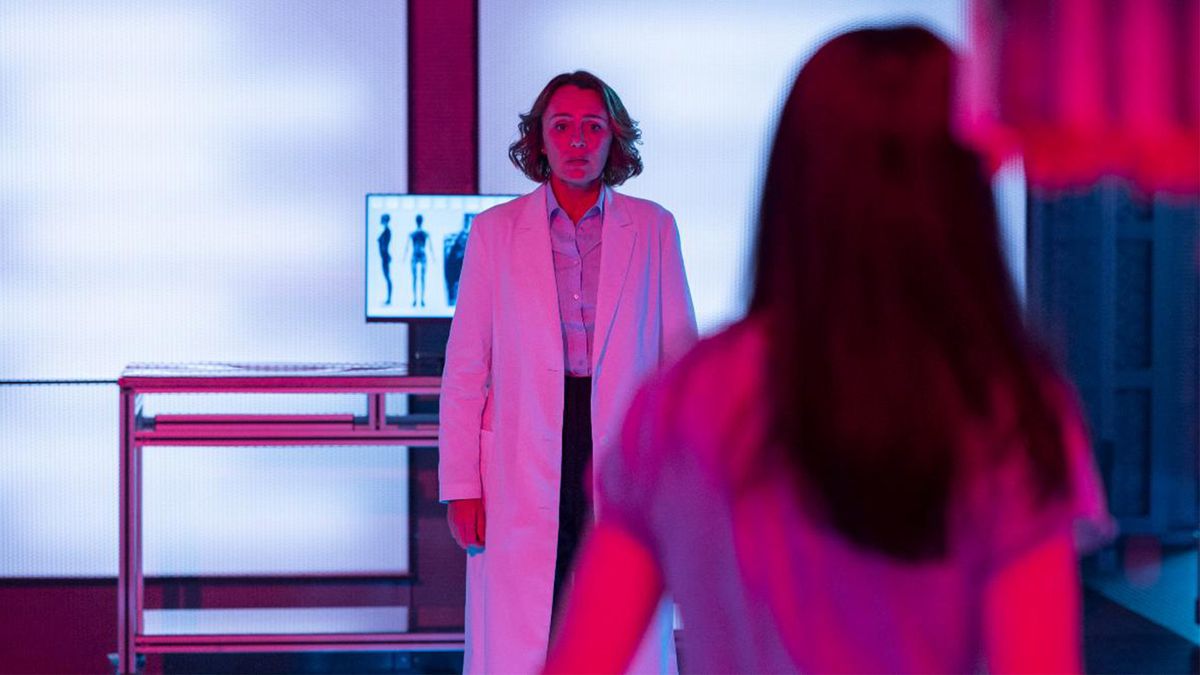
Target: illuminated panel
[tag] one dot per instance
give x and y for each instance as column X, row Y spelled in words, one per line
column 413, row 270
column 275, row 510
column 182, row 181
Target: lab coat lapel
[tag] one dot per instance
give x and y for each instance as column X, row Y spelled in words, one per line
column 532, row 234
column 616, row 250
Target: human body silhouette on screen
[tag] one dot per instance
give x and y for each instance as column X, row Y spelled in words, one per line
column 385, row 254
column 452, row 258
column 418, row 242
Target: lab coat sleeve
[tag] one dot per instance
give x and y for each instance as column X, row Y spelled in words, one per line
column 678, row 316
column 466, row 376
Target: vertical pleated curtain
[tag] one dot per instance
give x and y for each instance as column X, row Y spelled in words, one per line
column 1087, row 88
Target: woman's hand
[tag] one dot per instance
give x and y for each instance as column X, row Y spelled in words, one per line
column 468, row 522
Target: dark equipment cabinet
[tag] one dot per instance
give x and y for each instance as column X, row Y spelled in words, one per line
column 1113, row 285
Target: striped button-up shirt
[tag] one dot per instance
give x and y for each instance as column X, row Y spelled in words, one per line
column 576, row 248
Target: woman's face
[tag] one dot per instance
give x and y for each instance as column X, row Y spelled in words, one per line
column 576, row 135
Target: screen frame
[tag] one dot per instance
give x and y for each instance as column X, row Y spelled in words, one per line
column 366, row 248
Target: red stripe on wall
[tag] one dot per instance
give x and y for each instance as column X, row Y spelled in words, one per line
column 443, row 90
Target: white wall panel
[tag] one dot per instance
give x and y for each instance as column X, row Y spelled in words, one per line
column 281, row 510
column 184, row 181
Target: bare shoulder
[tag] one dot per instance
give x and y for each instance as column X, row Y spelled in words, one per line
column 708, row 406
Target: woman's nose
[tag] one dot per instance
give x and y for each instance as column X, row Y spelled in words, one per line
column 577, row 139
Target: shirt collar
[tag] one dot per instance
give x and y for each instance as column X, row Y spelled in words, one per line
column 552, row 205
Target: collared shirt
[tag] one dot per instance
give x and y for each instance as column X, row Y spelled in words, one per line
column 576, row 249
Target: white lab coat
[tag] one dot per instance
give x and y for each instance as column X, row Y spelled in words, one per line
column 502, row 402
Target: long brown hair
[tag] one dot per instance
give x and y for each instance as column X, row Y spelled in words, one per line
column 893, row 322
column 624, row 161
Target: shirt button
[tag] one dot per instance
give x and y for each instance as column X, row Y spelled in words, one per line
column 576, row 296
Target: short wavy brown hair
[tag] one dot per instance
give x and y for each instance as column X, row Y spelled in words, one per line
column 624, row 161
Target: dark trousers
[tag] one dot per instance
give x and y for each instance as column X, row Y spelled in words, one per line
column 574, row 508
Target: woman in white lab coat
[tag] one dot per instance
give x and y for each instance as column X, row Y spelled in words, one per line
column 570, row 296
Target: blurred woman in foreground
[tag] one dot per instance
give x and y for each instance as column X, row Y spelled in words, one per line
column 877, row 470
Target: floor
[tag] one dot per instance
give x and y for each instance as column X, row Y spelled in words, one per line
column 1159, row 584
column 1140, row 610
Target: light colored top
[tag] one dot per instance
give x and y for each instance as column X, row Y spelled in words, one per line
column 576, row 249
column 762, row 586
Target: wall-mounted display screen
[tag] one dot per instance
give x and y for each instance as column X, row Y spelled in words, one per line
column 415, row 246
